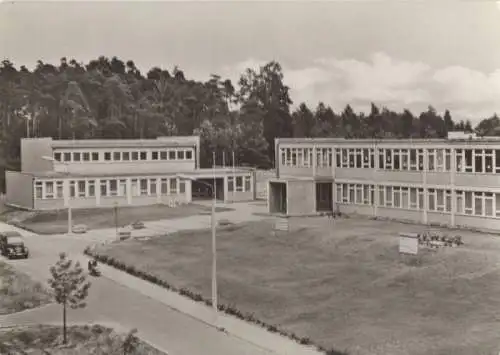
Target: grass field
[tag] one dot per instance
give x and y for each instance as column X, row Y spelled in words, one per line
column 81, row 340
column 54, row 222
column 18, row 292
column 343, row 284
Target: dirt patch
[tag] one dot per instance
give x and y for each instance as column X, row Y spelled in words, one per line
column 342, row 283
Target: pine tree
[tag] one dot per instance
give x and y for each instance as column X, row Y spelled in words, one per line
column 69, row 285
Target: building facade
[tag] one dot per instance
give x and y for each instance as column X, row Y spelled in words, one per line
column 90, row 173
column 453, row 182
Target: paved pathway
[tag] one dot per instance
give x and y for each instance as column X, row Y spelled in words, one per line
column 168, row 321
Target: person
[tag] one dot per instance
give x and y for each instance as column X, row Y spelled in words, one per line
column 90, row 265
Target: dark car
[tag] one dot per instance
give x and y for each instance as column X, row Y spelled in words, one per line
column 12, row 245
column 138, row 225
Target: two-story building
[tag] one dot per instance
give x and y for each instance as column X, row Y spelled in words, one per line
column 91, row 173
column 454, row 182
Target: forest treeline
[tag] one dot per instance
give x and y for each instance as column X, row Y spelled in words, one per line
column 111, row 98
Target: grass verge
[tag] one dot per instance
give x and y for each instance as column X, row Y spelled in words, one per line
column 56, row 222
column 81, row 340
column 19, row 292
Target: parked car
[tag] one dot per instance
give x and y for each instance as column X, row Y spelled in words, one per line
column 79, row 229
column 12, row 246
column 5, row 235
column 138, row 225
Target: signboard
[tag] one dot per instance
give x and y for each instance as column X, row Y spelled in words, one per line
column 408, row 243
column 281, row 224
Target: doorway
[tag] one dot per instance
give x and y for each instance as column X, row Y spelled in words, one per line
column 277, row 197
column 324, row 197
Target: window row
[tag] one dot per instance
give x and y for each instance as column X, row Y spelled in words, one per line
column 110, row 188
column 303, row 157
column 438, row 159
column 485, row 204
column 478, row 160
column 132, row 155
column 359, row 194
column 411, row 198
column 239, row 183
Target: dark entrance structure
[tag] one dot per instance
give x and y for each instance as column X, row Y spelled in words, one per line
column 324, row 197
column 203, row 189
column 278, row 197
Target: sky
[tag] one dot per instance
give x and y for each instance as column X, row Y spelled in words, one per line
column 399, row 54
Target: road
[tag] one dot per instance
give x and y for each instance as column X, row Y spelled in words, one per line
column 112, row 303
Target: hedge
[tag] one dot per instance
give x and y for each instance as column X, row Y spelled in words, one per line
column 228, row 309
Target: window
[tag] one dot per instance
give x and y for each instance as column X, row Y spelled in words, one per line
column 397, row 165
column 95, row 156
column 432, row 199
column 388, row 159
column 189, row 154
column 59, row 189
column 38, row 190
column 180, row 154
column 345, row 158
column 388, row 196
column 104, row 188
column 239, row 183
column 247, row 183
column 86, row 156
column 497, row 203
column 154, row 155
column 116, row 156
column 460, row 202
column 72, row 188
column 49, row 189
column 135, row 155
column 478, row 160
column 163, row 155
column 338, row 157
column 366, row 194
column 57, row 156
column 182, row 187
column 404, row 198
column 404, row 159
column 468, row 161
column 397, row 196
column 488, row 204
column 171, row 154
column 381, row 196
column 352, row 193
column 440, row 160
column 488, row 161
column 164, row 186
column 113, row 187
column 143, row 187
column 413, row 199
column 468, row 202
column 76, row 156
column 359, row 158
column 122, row 187
column 345, row 193
column 91, row 187
column 497, row 161
column 459, row 160
column 126, row 156
column 67, row 156
column 152, row 186
column 134, row 187
column 81, row 188
column 107, row 156
column 173, row 186
column 143, row 155
column 478, row 204
column 431, row 159
column 359, row 194
column 230, row 184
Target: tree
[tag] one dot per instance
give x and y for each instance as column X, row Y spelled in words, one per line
column 69, row 285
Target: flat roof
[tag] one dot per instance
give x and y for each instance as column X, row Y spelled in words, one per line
column 477, row 140
column 173, row 141
column 198, row 173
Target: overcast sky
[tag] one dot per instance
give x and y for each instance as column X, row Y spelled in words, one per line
column 396, row 53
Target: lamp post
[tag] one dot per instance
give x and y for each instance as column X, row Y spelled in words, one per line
column 214, row 241
column 66, row 173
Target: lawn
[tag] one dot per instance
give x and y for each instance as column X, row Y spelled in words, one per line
column 81, row 340
column 54, row 222
column 342, row 283
column 19, row 292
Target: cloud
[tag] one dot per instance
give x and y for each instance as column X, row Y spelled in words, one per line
column 391, row 82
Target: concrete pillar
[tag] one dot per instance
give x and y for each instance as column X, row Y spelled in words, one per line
column 453, row 167
column 424, row 185
column 189, row 195
column 66, row 192
column 129, row 191
column 158, row 190
column 98, row 192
